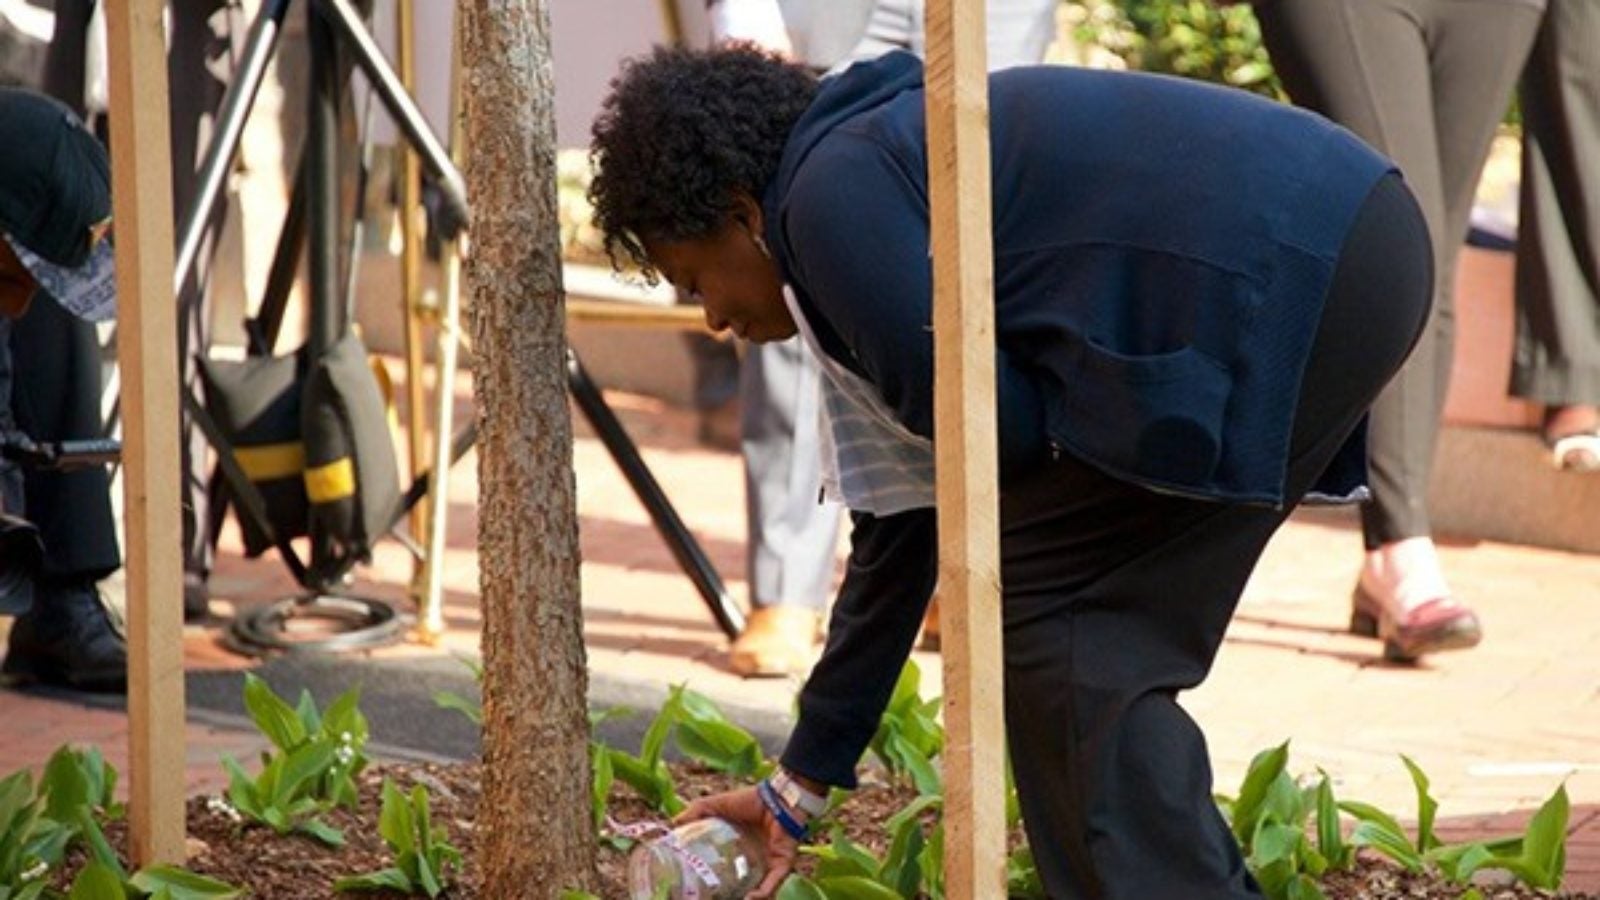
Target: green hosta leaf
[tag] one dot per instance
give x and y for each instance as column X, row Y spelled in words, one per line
column 933, row 864
column 343, row 716
column 1303, row 887
column 1022, row 876
column 901, row 869
column 1366, row 812
column 322, row 831
column 655, row 735
column 912, row 811
column 1258, row 780
column 1427, row 807
column 276, row 817
column 1539, row 856
column 1457, row 862
column 602, row 716
column 799, row 887
column 101, row 778
column 1388, row 840
column 301, row 765
column 99, row 848
column 1544, row 844
column 600, row 787
column 47, row 842
column 241, row 789
column 395, row 821
column 1330, row 831
column 16, row 795
column 720, row 745
column 654, row 783
column 97, row 882
column 424, row 816
column 384, row 879
column 472, row 709
column 842, row 858
column 426, row 877
column 182, row 884
column 855, row 887
column 64, row 786
column 913, row 762
column 280, row 724
column 1284, row 802
column 1275, row 878
column 33, row 890
column 1274, row 842
column 306, row 709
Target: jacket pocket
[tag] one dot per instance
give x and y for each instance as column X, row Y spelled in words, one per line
column 1157, row 418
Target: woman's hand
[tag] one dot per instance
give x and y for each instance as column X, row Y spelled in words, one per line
column 744, row 809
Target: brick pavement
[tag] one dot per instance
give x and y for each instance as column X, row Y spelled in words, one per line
column 1497, row 729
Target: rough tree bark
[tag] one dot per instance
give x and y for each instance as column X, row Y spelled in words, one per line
column 535, row 836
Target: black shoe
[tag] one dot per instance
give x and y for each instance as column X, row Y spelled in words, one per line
column 67, row 639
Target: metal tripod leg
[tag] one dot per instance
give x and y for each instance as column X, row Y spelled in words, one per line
column 684, row 547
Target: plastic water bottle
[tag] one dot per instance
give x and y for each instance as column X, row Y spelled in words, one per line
column 708, row 859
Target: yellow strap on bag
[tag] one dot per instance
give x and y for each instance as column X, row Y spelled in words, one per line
column 330, row 482
column 269, row 462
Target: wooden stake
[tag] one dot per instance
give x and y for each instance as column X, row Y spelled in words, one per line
column 969, row 568
column 146, row 341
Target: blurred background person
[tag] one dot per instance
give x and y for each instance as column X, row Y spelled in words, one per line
column 1425, row 82
column 1557, row 357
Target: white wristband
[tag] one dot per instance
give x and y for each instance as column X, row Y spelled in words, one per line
column 797, row 796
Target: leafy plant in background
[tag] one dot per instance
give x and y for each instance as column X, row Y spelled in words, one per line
column 1188, row 38
column 647, row 772
column 422, row 855
column 909, row 735
column 317, row 757
column 706, row 735
column 75, row 795
column 1292, row 835
column 846, row 869
column 467, row 706
column 106, row 880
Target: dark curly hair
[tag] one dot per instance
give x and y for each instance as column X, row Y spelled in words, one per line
column 680, row 133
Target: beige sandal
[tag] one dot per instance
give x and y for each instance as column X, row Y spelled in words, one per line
column 777, row 641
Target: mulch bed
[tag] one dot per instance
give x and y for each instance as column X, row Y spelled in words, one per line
column 299, row 868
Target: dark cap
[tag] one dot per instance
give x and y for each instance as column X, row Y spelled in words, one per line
column 55, row 201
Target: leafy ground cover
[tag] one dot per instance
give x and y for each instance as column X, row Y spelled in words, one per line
column 311, row 818
column 298, row 867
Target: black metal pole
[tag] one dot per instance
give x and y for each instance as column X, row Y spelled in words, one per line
column 399, row 103
column 322, row 156
column 683, row 544
column 224, row 146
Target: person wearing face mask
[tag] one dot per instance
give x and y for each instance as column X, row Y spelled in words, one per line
column 1198, row 294
column 55, row 213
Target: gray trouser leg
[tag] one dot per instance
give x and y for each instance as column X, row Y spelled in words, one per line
column 1425, row 82
column 792, row 537
column 1558, row 248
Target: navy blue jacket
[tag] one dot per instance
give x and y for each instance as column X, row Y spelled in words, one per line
column 1162, row 249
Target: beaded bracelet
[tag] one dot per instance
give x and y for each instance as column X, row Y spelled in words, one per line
column 792, row 826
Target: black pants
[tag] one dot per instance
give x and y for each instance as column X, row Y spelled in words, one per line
column 1558, row 241
column 55, row 396
column 1424, row 81
column 1116, row 598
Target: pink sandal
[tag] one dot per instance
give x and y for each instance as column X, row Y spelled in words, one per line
column 1437, row 625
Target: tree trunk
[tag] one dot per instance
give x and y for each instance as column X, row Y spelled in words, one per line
column 535, row 836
